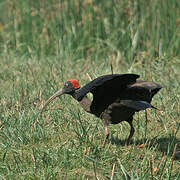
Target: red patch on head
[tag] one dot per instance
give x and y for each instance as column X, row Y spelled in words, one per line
column 75, row 83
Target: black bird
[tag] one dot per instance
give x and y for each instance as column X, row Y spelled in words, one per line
column 116, row 97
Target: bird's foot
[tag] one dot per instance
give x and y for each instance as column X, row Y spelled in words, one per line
column 127, row 142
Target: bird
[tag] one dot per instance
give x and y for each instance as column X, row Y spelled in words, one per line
column 116, row 98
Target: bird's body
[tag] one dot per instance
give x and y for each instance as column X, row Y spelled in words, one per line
column 116, row 97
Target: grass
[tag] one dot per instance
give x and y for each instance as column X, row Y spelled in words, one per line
column 45, row 43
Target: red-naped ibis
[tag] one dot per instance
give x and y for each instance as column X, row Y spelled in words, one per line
column 116, row 97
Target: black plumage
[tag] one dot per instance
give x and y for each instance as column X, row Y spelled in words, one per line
column 116, row 97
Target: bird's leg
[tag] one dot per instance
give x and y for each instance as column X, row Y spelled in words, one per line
column 106, row 133
column 131, row 131
column 146, row 123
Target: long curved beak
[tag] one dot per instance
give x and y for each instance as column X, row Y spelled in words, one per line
column 57, row 94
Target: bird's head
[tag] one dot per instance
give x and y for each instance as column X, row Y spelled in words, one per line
column 69, row 88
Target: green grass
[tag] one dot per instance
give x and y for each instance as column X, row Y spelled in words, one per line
column 43, row 44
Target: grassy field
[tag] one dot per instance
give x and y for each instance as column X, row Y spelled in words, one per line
column 43, row 44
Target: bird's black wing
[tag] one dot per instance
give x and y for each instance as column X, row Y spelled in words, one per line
column 106, row 89
column 141, row 90
column 106, row 80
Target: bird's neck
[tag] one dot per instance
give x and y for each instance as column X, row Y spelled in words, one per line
column 85, row 102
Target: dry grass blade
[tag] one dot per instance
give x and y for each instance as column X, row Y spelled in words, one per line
column 112, row 173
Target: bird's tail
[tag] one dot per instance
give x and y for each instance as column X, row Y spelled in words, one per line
column 156, row 108
column 138, row 105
